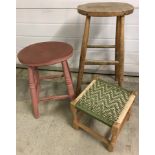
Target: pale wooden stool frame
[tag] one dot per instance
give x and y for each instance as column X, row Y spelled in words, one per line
column 119, row 38
column 116, row 127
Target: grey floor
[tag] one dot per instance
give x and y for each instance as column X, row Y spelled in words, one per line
column 52, row 133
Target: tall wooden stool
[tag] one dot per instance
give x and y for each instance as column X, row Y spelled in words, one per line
column 107, row 9
column 106, row 102
column 41, row 54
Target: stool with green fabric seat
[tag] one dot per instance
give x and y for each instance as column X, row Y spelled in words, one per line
column 107, row 103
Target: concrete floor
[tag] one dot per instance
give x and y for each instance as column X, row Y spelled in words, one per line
column 52, row 133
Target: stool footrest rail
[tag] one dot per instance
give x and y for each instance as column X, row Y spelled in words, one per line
column 99, row 62
column 60, row 97
column 100, row 46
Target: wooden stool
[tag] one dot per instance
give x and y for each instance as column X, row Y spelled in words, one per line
column 41, row 54
column 107, row 103
column 108, row 9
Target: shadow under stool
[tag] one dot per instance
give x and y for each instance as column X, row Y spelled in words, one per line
column 42, row 54
column 107, row 9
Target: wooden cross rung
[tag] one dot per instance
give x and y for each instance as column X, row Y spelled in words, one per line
column 100, row 46
column 94, row 134
column 60, row 97
column 99, row 62
column 51, row 76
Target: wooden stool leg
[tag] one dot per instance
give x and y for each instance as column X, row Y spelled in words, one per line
column 68, row 80
column 121, row 52
column 128, row 114
column 33, row 91
column 114, row 132
column 83, row 54
column 75, row 117
column 117, row 43
column 37, row 81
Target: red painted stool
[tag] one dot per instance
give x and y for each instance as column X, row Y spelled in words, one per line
column 41, row 54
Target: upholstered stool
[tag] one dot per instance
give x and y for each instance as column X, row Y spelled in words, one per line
column 107, row 9
column 41, row 54
column 108, row 103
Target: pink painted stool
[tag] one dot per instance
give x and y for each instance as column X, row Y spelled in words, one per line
column 41, row 54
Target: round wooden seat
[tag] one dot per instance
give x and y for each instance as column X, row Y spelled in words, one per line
column 105, row 9
column 45, row 53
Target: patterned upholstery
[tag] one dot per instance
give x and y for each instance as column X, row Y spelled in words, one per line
column 104, row 101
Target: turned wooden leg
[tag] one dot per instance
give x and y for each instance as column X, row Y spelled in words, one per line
column 37, row 81
column 75, row 117
column 83, row 55
column 121, row 52
column 68, row 80
column 33, row 90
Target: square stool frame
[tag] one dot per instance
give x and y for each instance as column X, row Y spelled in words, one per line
column 116, row 127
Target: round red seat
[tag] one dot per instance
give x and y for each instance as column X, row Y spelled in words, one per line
column 45, row 53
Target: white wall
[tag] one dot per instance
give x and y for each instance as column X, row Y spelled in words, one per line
column 44, row 20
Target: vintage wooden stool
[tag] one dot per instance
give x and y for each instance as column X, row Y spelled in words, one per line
column 107, row 9
column 107, row 103
column 41, row 54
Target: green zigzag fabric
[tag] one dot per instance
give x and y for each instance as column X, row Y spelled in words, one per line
column 104, row 101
